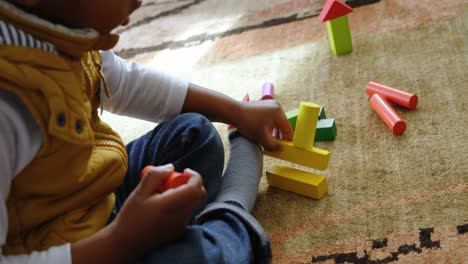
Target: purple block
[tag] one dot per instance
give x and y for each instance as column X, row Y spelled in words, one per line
column 268, row 91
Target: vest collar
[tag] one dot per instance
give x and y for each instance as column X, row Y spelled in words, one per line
column 73, row 42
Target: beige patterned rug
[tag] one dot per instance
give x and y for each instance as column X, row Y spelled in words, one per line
column 391, row 199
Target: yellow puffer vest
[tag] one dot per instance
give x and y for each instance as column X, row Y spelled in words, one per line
column 65, row 193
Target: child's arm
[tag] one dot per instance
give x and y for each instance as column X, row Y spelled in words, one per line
column 142, row 92
column 255, row 120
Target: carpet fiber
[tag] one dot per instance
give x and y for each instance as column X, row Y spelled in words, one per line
column 391, row 199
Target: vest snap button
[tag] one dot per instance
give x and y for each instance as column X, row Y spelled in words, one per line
column 61, row 119
column 79, row 126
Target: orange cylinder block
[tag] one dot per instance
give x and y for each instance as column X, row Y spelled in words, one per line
column 393, row 95
column 388, row 114
column 175, row 180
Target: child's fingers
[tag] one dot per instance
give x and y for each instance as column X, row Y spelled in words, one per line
column 270, row 143
column 195, row 179
column 187, row 195
column 284, row 127
column 276, row 133
column 154, row 178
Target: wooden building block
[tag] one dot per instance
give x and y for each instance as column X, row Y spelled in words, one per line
column 292, row 117
column 334, row 9
column 268, row 91
column 326, row 130
column 393, row 95
column 391, row 118
column 339, row 36
column 314, row 158
column 322, row 114
column 306, row 123
column 297, row 181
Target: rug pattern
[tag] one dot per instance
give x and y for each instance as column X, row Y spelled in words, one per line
column 391, row 199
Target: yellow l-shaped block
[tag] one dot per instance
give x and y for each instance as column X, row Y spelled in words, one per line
column 314, row 158
column 297, row 181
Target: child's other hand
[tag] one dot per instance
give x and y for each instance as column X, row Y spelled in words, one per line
column 149, row 219
column 258, row 120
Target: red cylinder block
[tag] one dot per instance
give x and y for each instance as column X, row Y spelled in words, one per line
column 268, row 91
column 388, row 114
column 393, row 95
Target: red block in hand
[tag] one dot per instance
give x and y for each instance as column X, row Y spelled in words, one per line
column 175, row 180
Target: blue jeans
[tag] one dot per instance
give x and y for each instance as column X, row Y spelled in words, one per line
column 221, row 235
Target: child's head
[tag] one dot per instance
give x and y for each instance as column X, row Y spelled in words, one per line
column 101, row 15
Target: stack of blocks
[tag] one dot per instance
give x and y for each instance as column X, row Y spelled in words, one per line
column 301, row 151
column 335, row 15
column 326, row 127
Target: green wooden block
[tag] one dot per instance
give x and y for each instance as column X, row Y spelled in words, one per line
column 326, row 130
column 322, row 114
column 292, row 117
column 339, row 35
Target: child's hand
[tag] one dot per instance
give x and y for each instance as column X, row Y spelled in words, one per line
column 149, row 219
column 258, row 119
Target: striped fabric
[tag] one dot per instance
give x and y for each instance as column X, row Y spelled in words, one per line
column 10, row 35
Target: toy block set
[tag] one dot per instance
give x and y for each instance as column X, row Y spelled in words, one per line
column 381, row 95
column 310, row 124
column 302, row 151
column 335, row 14
column 326, row 127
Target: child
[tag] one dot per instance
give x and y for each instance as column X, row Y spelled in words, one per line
column 60, row 164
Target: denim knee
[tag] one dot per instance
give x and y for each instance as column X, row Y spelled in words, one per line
column 206, row 135
column 204, row 152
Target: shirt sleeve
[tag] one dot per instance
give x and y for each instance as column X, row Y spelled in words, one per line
column 20, row 140
column 140, row 91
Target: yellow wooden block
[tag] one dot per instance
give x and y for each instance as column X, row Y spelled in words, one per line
column 306, row 124
column 314, row 158
column 297, row 181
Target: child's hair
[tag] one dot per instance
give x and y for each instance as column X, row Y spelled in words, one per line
column 13, row 3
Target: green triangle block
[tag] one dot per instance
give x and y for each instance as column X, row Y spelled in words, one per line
column 322, row 114
column 326, row 130
column 292, row 117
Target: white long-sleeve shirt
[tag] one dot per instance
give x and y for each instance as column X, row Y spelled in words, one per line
column 135, row 91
